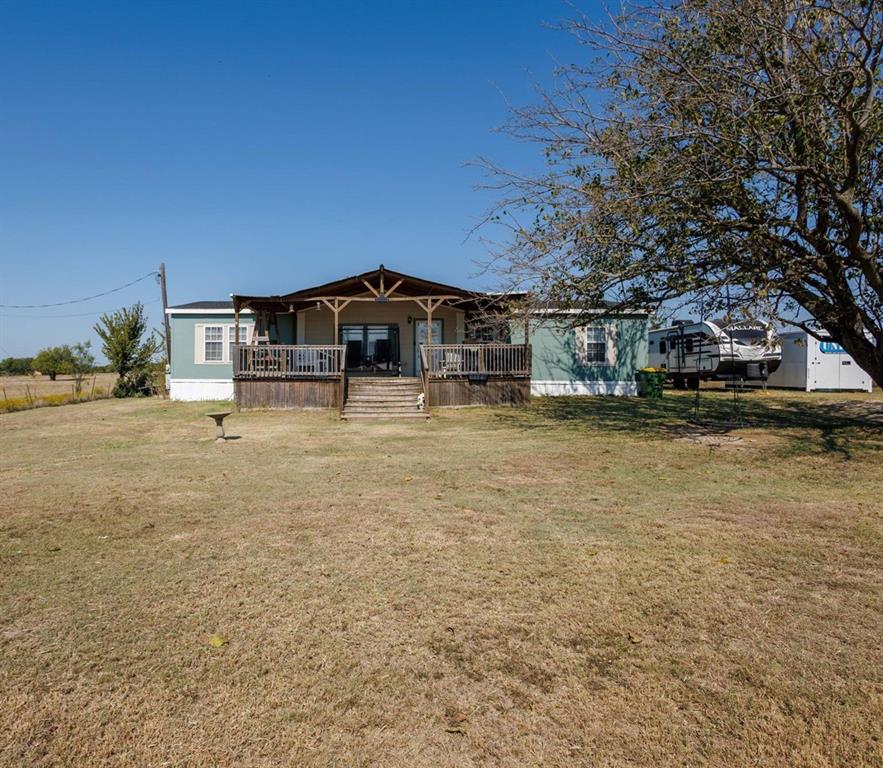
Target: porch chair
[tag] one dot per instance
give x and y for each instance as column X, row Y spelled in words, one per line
column 452, row 362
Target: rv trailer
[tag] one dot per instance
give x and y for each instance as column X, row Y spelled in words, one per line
column 813, row 364
column 713, row 350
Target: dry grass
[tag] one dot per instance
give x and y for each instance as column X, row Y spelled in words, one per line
column 584, row 582
column 18, row 386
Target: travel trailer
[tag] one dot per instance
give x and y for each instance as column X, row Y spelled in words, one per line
column 714, row 350
column 814, row 365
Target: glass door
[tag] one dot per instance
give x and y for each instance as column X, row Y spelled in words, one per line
column 370, row 347
column 420, row 333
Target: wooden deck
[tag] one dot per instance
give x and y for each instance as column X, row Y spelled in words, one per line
column 315, row 376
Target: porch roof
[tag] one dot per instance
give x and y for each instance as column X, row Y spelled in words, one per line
column 380, row 284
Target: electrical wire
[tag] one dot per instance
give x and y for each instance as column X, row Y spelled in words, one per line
column 78, row 301
column 94, row 313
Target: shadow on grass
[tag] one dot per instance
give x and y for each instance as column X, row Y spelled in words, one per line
column 810, row 425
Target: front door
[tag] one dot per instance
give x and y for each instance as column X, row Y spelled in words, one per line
column 420, row 337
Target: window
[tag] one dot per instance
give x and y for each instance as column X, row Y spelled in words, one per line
column 689, row 343
column 596, row 345
column 662, row 346
column 214, row 343
column 243, row 336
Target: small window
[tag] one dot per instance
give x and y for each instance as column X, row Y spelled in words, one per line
column 689, row 343
column 214, row 343
column 662, row 346
column 243, row 336
column 596, row 345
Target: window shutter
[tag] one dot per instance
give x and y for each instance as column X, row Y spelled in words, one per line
column 580, row 342
column 199, row 355
column 611, row 344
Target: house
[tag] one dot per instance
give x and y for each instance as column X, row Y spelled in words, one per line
column 382, row 339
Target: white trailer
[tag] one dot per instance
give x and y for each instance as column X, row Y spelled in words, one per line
column 811, row 365
column 714, row 350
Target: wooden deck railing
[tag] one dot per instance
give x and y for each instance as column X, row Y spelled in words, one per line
column 463, row 360
column 282, row 361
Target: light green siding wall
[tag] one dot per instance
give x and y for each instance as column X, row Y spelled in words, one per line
column 553, row 344
column 184, row 365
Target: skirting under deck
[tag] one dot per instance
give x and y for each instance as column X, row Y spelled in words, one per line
column 496, row 391
column 309, row 393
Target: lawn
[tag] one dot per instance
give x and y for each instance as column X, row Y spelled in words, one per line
column 578, row 583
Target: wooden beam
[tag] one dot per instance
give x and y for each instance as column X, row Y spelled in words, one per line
column 338, row 305
column 392, row 290
column 371, row 288
column 392, row 298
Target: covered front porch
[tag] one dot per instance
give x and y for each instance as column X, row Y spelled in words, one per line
column 305, row 346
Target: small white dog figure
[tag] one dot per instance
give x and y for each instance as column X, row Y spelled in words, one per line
column 421, row 401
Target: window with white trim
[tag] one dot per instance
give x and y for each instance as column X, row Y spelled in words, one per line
column 595, row 351
column 243, row 336
column 214, row 344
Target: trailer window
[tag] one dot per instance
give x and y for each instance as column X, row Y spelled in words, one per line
column 689, row 343
column 662, row 346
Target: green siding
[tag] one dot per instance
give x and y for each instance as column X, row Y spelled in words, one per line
column 553, row 344
column 184, row 365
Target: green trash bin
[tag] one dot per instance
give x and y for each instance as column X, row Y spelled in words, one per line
column 650, row 382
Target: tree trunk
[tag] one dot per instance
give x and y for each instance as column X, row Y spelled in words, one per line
column 868, row 356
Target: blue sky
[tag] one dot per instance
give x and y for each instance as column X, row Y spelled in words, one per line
column 252, row 147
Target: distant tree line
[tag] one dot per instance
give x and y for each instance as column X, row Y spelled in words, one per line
column 51, row 361
column 130, row 349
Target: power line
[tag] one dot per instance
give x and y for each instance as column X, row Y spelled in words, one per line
column 78, row 301
column 94, row 313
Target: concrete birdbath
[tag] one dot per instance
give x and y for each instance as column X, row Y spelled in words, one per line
column 219, row 417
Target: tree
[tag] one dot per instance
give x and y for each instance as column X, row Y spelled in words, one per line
column 708, row 147
column 17, row 366
column 82, row 364
column 131, row 355
column 53, row 360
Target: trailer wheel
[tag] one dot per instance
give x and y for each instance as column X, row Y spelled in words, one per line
column 693, row 383
column 679, row 382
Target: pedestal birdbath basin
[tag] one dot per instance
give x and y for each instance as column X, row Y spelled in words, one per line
column 219, row 417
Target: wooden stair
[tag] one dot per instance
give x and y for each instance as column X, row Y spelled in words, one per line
column 382, row 397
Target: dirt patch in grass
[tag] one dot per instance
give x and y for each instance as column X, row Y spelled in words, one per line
column 574, row 583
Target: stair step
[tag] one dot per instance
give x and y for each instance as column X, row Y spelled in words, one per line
column 393, row 416
column 381, row 398
column 363, row 409
column 377, row 388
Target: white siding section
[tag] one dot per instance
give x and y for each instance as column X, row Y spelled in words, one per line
column 201, row 389
column 576, row 387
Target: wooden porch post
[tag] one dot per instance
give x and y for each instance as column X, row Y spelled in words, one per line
column 336, row 307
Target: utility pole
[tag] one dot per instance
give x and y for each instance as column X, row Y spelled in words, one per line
column 165, row 314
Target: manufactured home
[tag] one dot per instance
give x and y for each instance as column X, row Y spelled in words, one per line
column 383, row 342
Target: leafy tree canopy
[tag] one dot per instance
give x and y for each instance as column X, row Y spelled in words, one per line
column 17, row 366
column 122, row 334
column 737, row 148
column 52, row 361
